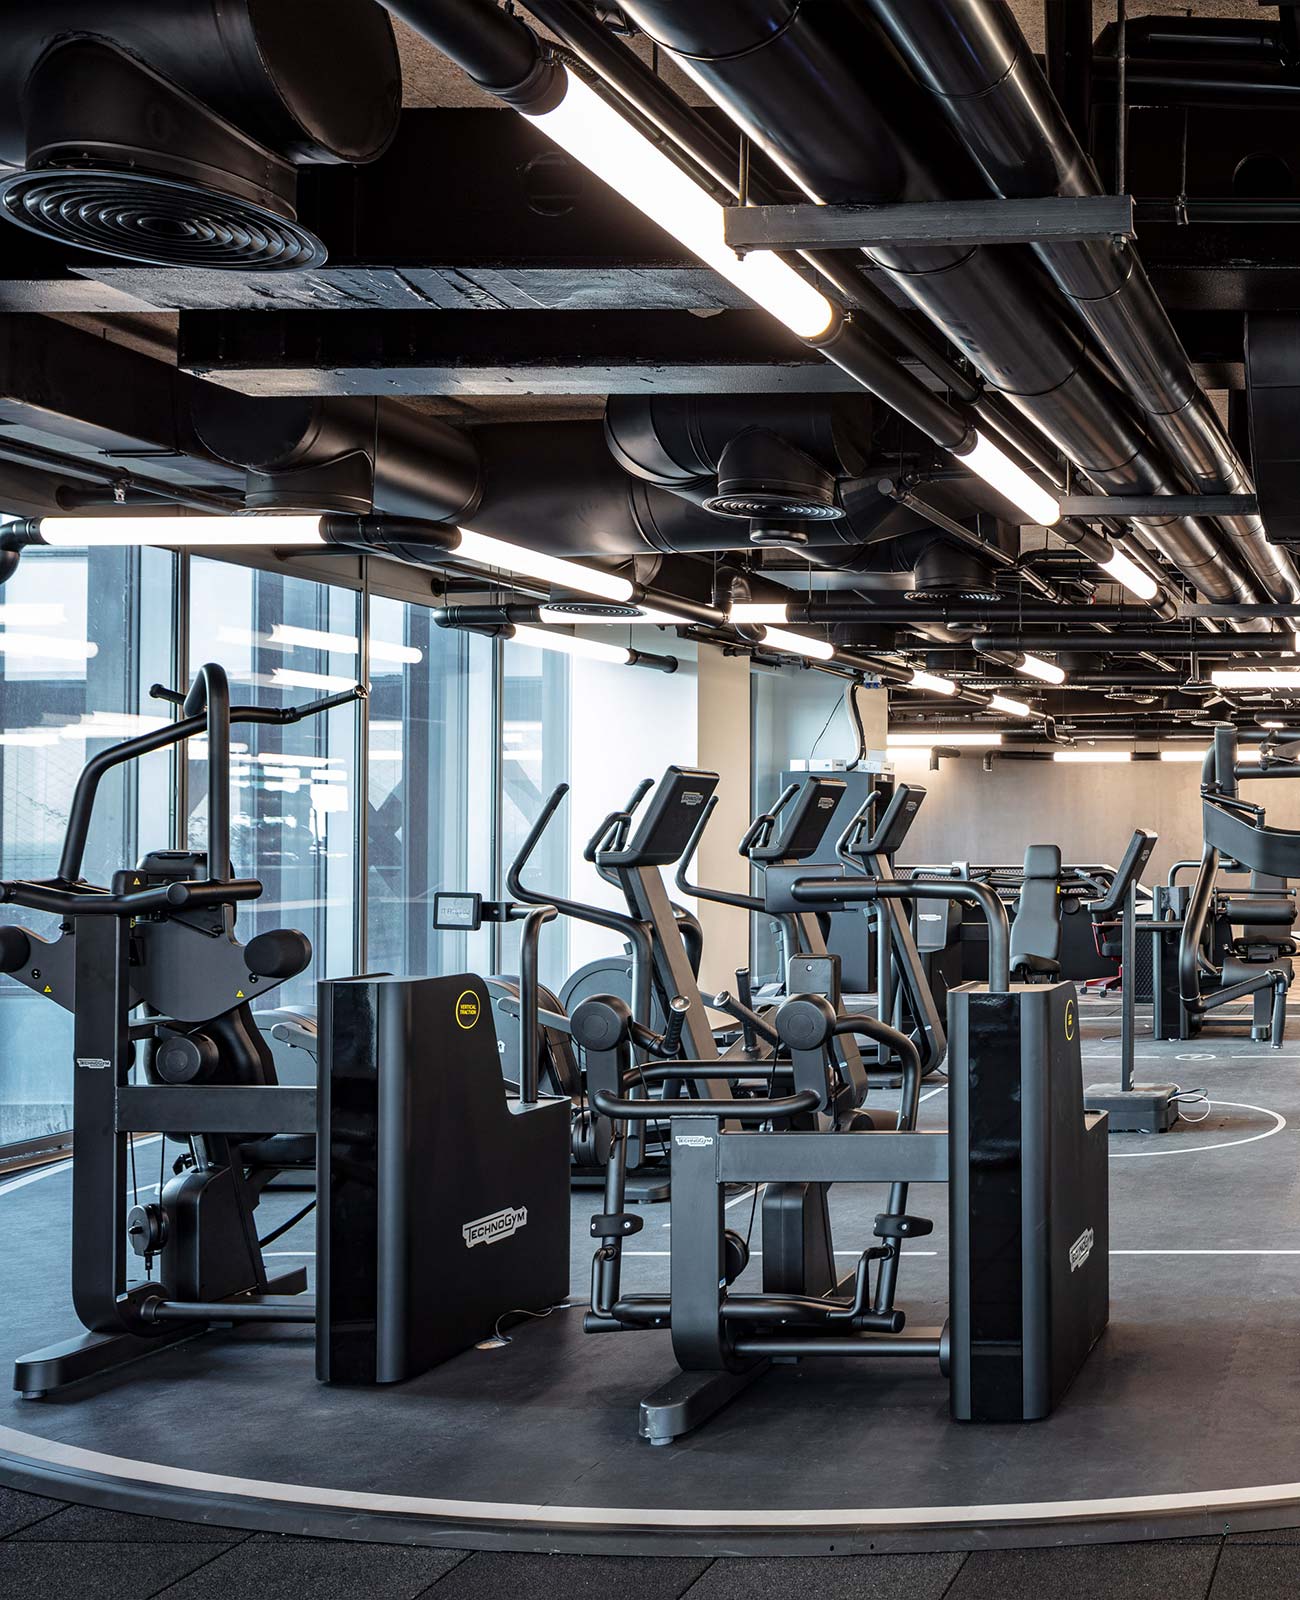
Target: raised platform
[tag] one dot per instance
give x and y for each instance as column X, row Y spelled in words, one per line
column 1185, row 1420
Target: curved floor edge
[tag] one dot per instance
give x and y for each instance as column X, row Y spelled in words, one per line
column 89, row 1477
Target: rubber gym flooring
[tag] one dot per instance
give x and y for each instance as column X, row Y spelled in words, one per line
column 1186, row 1420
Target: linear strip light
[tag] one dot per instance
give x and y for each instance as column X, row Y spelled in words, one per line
column 1126, row 572
column 1000, row 472
column 1111, row 757
column 607, row 144
column 933, row 736
column 1256, row 677
column 1013, row 708
column 46, row 647
column 491, row 552
column 201, row 532
column 932, row 682
column 1044, row 671
column 1245, row 758
column 570, row 644
column 644, row 616
column 756, row 613
column 798, row 644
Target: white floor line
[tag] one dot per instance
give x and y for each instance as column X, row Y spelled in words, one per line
column 1279, row 1122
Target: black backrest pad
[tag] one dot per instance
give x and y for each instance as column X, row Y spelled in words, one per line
column 1128, row 873
column 898, row 817
column 1037, row 928
column 805, row 822
column 669, row 820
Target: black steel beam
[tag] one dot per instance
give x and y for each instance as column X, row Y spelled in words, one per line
column 1181, row 644
column 524, row 352
column 1158, row 505
column 948, row 222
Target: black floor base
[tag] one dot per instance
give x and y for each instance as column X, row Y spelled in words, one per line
column 1183, row 1421
column 1145, row 1108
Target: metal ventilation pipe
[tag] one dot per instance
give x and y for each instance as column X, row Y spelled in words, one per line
column 972, row 57
column 171, row 133
column 810, row 84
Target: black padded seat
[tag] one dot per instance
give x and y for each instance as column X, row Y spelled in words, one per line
column 1036, row 932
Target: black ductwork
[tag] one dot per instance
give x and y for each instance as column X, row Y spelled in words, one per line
column 972, row 58
column 340, row 454
column 772, row 462
column 810, row 83
column 559, row 486
column 169, row 134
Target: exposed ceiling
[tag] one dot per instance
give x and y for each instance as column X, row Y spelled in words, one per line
column 521, row 292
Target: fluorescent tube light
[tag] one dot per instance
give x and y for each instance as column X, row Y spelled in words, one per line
column 754, row 613
column 932, row 682
column 933, row 736
column 607, row 144
column 1013, row 708
column 1245, row 758
column 1082, row 756
column 195, row 532
column 1000, row 472
column 1044, row 671
column 1126, row 571
column 570, row 644
column 491, row 552
column 798, row 644
column 1256, row 677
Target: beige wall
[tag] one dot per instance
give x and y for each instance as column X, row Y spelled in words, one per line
column 1090, row 811
column 722, row 730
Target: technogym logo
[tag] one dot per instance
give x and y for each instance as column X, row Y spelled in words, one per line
column 500, row 1225
column 1081, row 1249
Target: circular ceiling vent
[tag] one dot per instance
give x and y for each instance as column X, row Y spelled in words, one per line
column 769, row 506
column 593, row 608
column 156, row 220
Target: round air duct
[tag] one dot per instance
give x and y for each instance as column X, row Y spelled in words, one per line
column 945, row 571
column 167, row 135
column 763, row 478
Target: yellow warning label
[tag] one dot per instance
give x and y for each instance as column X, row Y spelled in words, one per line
column 47, row 990
column 467, row 1009
column 239, row 994
column 135, row 882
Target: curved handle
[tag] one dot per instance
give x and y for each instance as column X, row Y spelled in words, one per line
column 846, row 846
column 760, row 829
column 210, row 694
column 514, row 874
column 720, row 897
column 613, row 832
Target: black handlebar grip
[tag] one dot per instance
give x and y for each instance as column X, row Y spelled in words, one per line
column 678, row 1010
column 15, row 948
column 745, row 994
column 281, row 953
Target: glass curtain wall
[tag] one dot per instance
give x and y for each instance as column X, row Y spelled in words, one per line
column 284, row 642
column 76, row 665
column 534, row 759
column 430, row 787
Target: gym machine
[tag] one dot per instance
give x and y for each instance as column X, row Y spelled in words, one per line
column 1025, row 1166
column 193, row 1067
column 1131, row 1107
column 1237, row 830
